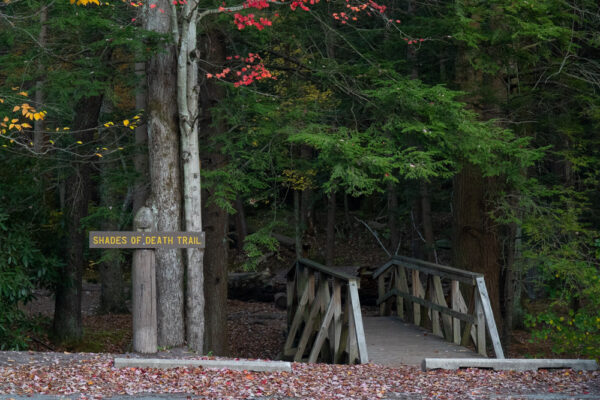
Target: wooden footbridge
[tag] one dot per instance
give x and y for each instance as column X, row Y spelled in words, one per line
column 422, row 313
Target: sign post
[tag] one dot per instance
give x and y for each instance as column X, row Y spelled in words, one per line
column 144, row 239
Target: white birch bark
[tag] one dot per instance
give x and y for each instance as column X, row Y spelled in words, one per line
column 187, row 103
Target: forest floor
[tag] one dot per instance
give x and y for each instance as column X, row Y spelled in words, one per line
column 256, row 330
column 85, row 375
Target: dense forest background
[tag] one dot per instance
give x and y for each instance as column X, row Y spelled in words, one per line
column 461, row 132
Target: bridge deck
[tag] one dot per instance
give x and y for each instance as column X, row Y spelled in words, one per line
column 391, row 341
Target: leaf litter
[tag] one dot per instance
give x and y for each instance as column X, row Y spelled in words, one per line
column 94, row 376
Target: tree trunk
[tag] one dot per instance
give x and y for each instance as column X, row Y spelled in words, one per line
column 215, row 218
column 215, row 271
column 165, row 178
column 427, row 223
column 298, row 225
column 38, row 125
column 112, row 299
column 241, row 227
column 475, row 237
column 187, row 105
column 67, row 312
column 392, row 203
column 330, row 244
column 307, row 221
column 140, row 159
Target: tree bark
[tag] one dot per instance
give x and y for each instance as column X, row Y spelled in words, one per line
column 215, row 218
column 215, row 271
column 163, row 134
column 38, row 125
column 187, row 106
column 241, row 227
column 67, row 313
column 475, row 237
column 330, row 244
column 427, row 222
column 392, row 203
column 140, row 159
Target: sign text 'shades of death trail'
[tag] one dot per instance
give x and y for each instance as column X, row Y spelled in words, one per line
column 145, row 240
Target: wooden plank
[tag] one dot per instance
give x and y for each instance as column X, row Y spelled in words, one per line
column 311, row 286
column 462, row 307
column 381, row 293
column 454, row 293
column 298, row 317
column 352, row 344
column 290, row 293
column 416, row 285
column 337, row 358
column 321, row 268
column 337, row 317
column 435, row 314
column 423, row 302
column 360, row 332
column 308, row 329
column 383, row 268
column 443, row 270
column 400, row 284
column 316, row 348
column 441, row 300
column 469, row 328
column 480, row 318
column 489, row 316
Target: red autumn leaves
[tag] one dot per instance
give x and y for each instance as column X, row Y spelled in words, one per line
column 253, row 71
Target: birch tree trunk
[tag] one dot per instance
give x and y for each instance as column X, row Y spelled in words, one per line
column 163, row 134
column 187, row 104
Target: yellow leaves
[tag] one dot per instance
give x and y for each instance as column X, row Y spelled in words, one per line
column 85, row 2
column 26, row 125
column 24, row 94
column 79, row 142
column 1, row 101
column 99, row 155
column 29, row 112
column 299, row 180
column 126, row 122
column 109, row 124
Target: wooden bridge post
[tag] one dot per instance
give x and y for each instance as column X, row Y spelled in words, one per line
column 454, row 293
column 480, row 318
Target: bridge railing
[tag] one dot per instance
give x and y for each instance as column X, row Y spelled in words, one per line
column 430, row 295
column 324, row 317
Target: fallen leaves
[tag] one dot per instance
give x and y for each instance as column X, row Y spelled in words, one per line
column 96, row 376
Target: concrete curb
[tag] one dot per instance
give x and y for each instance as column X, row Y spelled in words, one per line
column 513, row 364
column 240, row 365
